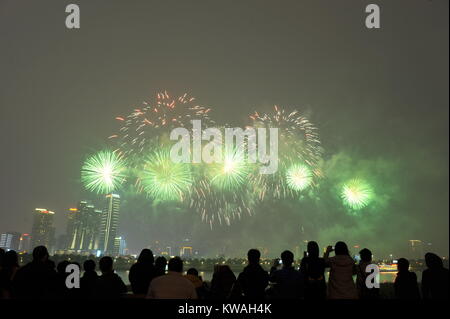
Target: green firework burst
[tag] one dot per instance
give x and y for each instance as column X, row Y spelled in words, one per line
column 165, row 180
column 356, row 194
column 103, row 172
column 298, row 177
column 231, row 173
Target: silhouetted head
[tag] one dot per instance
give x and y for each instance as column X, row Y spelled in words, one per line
column 175, row 264
column 61, row 268
column 192, row 271
column 341, row 248
column 313, row 249
column 10, row 259
column 146, row 257
column 224, row 272
column 403, row 265
column 106, row 264
column 366, row 255
column 50, row 263
column 40, row 254
column 89, row 265
column 253, row 256
column 161, row 262
column 287, row 257
column 433, row 261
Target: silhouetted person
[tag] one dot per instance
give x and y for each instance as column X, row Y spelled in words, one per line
column 37, row 279
column 313, row 269
column 89, row 278
column 173, row 285
column 254, row 279
column 405, row 284
column 160, row 266
column 342, row 269
column 7, row 272
column 434, row 278
column 109, row 285
column 192, row 275
column 361, row 275
column 142, row 272
column 289, row 283
column 222, row 282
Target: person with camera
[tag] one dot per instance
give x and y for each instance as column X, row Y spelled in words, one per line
column 342, row 269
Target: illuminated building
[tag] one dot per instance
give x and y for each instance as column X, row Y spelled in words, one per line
column 10, row 240
column 167, row 252
column 93, row 236
column 109, row 224
column 42, row 232
column 83, row 227
column 25, row 243
column 186, row 251
column 120, row 246
column 416, row 249
column 74, row 226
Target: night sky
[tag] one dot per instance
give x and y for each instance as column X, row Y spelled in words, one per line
column 378, row 97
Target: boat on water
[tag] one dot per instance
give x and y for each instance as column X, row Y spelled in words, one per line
column 388, row 267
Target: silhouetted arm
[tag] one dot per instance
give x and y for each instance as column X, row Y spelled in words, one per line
column 326, row 255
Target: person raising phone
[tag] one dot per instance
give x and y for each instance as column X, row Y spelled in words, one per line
column 342, row 269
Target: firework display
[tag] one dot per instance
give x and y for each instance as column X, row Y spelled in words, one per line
column 231, row 173
column 103, row 172
column 164, row 180
column 149, row 126
column 298, row 177
column 299, row 144
column 219, row 192
column 217, row 206
column 356, row 194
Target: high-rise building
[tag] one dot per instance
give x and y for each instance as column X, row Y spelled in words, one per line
column 416, row 249
column 93, row 222
column 25, row 243
column 120, row 246
column 43, row 231
column 186, row 251
column 109, row 225
column 10, row 240
column 83, row 227
column 73, row 227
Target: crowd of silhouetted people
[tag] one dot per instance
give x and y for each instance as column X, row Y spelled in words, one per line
column 42, row 279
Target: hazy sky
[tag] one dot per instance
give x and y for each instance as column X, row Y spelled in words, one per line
column 378, row 97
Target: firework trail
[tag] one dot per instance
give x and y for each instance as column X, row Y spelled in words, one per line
column 217, row 206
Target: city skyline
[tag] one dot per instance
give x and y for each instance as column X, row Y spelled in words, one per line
column 416, row 250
